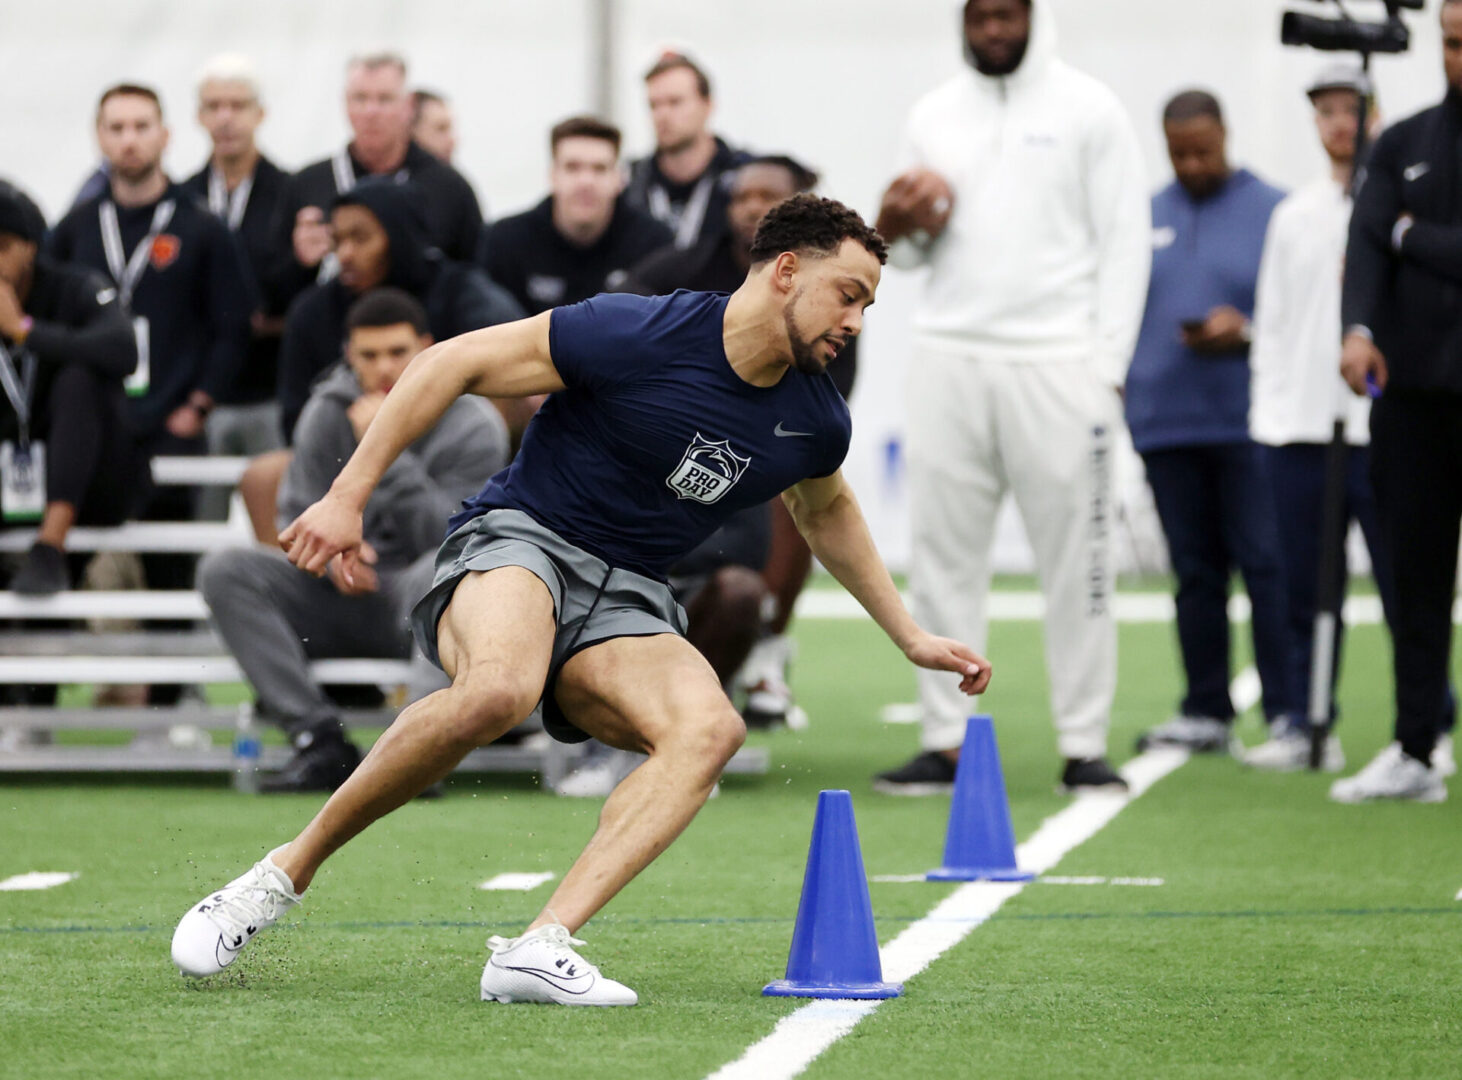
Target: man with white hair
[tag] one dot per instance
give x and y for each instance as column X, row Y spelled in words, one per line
column 379, row 108
column 243, row 188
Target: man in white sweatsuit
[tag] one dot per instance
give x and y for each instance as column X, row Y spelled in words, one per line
column 1024, row 195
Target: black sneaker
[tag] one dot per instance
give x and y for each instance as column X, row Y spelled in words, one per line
column 1089, row 774
column 931, row 773
column 43, row 573
column 323, row 765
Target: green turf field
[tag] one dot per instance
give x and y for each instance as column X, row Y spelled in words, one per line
column 1291, row 936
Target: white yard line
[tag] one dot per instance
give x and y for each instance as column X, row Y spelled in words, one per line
column 37, row 879
column 516, row 882
column 1028, row 606
column 801, row 1036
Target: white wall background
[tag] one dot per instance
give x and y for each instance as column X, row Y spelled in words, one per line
column 829, row 80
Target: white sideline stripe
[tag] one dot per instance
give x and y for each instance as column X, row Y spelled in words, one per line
column 516, row 882
column 801, row 1036
column 908, row 879
column 37, row 879
column 1028, row 606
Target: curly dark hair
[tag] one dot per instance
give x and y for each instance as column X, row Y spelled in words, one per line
column 813, row 225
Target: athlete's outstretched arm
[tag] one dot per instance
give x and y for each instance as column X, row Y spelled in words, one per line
column 509, row 360
column 827, row 514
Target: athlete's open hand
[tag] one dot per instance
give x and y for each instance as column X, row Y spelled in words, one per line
column 329, row 528
column 946, row 654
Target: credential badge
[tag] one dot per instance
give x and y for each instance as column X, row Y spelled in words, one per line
column 707, row 471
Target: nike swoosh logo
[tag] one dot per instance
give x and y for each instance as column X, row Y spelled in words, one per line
column 1417, row 171
column 578, row 984
column 782, row 433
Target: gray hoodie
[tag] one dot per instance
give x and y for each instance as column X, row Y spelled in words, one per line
column 407, row 514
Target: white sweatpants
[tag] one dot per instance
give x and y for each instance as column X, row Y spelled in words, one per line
column 1043, row 432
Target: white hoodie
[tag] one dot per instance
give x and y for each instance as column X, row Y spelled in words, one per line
column 1296, row 393
column 1047, row 251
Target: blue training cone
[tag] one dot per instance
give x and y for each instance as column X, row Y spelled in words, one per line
column 980, row 844
column 834, row 949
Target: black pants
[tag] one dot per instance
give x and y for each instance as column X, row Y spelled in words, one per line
column 89, row 455
column 1416, row 470
column 1217, row 511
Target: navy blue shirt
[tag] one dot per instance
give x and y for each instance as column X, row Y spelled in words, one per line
column 656, row 440
column 1205, row 254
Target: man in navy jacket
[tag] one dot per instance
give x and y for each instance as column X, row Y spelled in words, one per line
column 1187, row 400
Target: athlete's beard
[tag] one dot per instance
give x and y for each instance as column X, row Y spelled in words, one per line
column 804, row 355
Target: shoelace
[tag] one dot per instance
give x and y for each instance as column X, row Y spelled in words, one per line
column 558, row 940
column 251, row 907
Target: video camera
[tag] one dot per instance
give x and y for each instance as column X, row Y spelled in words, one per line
column 1349, row 34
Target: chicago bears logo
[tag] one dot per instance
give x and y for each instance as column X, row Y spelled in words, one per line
column 165, row 250
column 707, row 471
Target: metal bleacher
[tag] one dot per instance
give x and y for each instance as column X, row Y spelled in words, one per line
column 177, row 738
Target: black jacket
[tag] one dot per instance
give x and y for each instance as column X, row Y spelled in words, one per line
column 196, row 295
column 651, row 191
column 256, row 236
column 1411, row 299
column 528, row 256
column 77, row 321
column 457, row 297
column 452, row 215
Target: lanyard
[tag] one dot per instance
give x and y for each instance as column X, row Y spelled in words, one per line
column 344, row 170
column 19, row 386
column 692, row 215
column 229, row 205
column 127, row 274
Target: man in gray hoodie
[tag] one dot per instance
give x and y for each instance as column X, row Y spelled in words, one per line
column 276, row 620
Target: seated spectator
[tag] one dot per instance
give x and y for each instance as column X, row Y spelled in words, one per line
column 581, row 239
column 432, row 126
column 379, row 111
column 65, row 347
column 685, row 183
column 380, row 239
column 276, row 619
column 242, row 188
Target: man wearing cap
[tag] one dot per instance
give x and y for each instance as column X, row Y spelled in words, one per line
column 1401, row 307
column 65, row 347
column 1297, row 393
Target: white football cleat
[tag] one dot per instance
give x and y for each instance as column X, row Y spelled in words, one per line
column 1391, row 775
column 213, row 932
column 542, row 967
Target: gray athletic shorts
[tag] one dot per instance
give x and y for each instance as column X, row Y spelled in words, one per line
column 592, row 602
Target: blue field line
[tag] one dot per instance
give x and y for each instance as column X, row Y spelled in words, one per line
column 729, row 920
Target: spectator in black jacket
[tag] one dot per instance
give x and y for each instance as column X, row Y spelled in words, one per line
column 379, row 109
column 583, row 237
column 178, row 271
column 380, row 238
column 243, row 188
column 1402, row 311
column 65, row 347
column 686, row 182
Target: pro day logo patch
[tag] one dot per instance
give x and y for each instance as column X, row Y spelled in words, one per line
column 707, row 471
